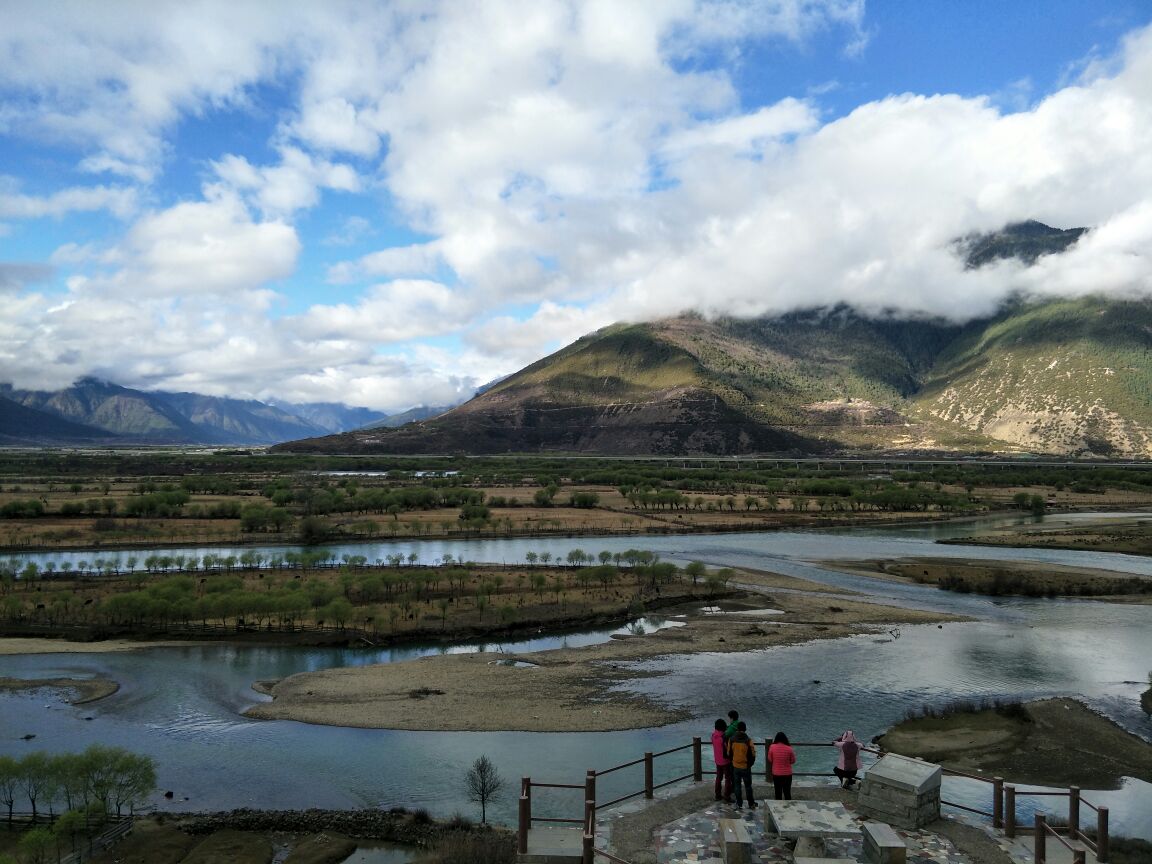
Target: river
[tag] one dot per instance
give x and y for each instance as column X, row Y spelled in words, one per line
column 183, row 705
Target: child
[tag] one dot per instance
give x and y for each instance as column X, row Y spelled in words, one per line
column 742, row 751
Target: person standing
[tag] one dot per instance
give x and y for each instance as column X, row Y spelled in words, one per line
column 848, row 761
column 723, row 763
column 733, row 719
column 742, row 751
column 781, row 758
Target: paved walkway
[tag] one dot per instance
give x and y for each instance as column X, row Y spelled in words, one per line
column 694, row 838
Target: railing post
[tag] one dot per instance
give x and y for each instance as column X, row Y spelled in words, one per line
column 648, row 775
column 1041, row 831
column 590, row 787
column 997, row 802
column 526, row 793
column 1073, row 812
column 1009, row 811
column 589, row 830
column 1102, row 835
column 525, row 818
column 767, row 764
column 697, row 761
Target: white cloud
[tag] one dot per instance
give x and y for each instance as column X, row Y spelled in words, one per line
column 393, row 312
column 281, row 190
column 573, row 163
column 120, row 201
column 418, row 259
column 209, row 247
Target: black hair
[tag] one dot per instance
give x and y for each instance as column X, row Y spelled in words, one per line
column 780, row 738
column 720, row 725
column 733, row 714
column 741, row 726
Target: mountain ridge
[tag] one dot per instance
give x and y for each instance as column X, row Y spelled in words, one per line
column 1062, row 377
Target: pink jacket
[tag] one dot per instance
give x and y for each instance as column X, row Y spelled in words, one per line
column 844, row 763
column 718, row 748
column 781, row 756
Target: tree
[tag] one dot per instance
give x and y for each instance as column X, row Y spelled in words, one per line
column 696, row 570
column 484, row 784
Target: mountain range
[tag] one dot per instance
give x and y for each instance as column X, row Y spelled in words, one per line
column 1067, row 376
column 95, row 412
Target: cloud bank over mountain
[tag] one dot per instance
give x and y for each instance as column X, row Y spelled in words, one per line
column 387, row 204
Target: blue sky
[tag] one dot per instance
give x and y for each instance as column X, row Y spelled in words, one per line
column 388, row 204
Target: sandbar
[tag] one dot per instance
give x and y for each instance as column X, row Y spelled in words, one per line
column 563, row 690
column 86, row 689
column 37, row 645
column 1054, row 742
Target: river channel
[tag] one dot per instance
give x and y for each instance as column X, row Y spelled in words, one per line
column 183, row 705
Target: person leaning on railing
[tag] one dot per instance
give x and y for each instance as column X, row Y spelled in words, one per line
column 848, row 759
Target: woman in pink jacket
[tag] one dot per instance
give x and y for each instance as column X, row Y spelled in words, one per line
column 848, row 762
column 781, row 757
column 723, row 763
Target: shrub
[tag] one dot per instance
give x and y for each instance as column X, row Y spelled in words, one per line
column 486, row 847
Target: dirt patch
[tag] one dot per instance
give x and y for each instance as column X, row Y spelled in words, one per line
column 151, row 842
column 37, row 645
column 325, row 848
column 1054, row 742
column 84, row 689
column 568, row 689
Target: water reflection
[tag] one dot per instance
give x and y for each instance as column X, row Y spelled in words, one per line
column 183, row 705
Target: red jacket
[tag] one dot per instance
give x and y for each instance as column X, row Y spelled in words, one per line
column 781, row 757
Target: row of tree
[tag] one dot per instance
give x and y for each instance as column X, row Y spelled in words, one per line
column 99, row 781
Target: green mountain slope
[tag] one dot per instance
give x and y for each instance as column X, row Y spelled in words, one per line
column 1063, row 377
column 1071, row 377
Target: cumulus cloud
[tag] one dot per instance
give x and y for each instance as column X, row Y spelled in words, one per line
column 539, row 168
column 281, row 190
column 209, row 247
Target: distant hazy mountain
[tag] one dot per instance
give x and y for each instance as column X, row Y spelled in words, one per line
column 420, row 412
column 24, row 426
column 100, row 410
column 332, row 416
column 1069, row 377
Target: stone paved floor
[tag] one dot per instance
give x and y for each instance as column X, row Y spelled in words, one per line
column 695, row 839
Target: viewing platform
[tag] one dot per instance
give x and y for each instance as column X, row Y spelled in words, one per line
column 678, row 821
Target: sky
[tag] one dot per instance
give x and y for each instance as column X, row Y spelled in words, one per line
column 387, row 204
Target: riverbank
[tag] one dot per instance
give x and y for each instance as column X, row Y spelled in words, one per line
column 42, row 645
column 572, row 689
column 1019, row 578
column 1129, row 533
column 1050, row 742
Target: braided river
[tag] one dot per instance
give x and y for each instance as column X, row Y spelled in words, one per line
column 183, row 706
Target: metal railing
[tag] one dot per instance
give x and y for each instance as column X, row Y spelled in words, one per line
column 648, row 790
column 1002, row 812
column 1100, row 846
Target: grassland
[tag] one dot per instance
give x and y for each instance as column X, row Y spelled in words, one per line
column 124, row 500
